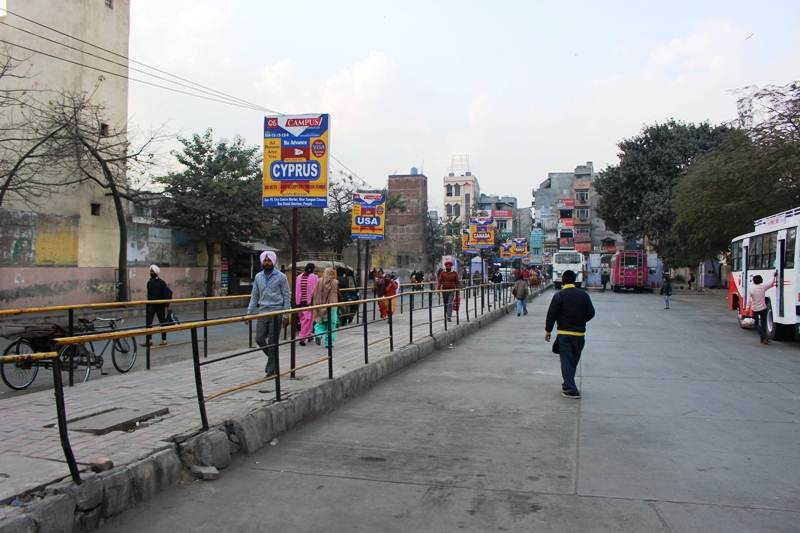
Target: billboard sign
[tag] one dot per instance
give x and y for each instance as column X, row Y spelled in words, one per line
column 519, row 247
column 296, row 149
column 369, row 216
column 465, row 246
column 505, row 250
column 481, row 232
column 503, row 213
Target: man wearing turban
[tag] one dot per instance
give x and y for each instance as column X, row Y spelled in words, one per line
column 270, row 293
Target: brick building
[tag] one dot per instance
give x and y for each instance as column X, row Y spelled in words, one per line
column 405, row 248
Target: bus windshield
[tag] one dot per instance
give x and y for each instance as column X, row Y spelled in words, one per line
column 571, row 258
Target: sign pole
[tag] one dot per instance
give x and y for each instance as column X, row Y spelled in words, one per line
column 293, row 350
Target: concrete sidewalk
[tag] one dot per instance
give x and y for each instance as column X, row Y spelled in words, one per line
column 30, row 453
column 686, row 424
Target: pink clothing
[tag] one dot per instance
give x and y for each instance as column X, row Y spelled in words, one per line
column 306, row 325
column 304, row 288
column 303, row 291
column 758, row 300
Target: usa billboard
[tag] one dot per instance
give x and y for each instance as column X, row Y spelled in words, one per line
column 296, row 149
column 369, row 216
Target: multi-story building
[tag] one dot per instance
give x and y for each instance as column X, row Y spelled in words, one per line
column 405, row 245
column 71, row 230
column 566, row 211
column 460, row 195
column 504, row 211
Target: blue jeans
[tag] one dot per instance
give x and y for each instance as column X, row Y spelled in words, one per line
column 522, row 306
column 666, row 301
column 569, row 350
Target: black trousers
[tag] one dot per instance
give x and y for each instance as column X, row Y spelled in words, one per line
column 151, row 311
column 569, row 350
column 761, row 323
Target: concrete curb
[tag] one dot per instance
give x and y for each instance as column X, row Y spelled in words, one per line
column 66, row 507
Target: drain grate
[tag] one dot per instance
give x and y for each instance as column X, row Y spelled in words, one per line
column 114, row 419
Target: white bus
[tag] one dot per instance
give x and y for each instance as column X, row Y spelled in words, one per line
column 568, row 260
column 770, row 252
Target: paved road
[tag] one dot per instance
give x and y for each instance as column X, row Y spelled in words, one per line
column 686, row 424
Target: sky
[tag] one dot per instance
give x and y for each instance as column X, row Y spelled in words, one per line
column 524, row 88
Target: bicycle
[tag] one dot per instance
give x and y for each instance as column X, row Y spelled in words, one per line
column 39, row 338
column 123, row 351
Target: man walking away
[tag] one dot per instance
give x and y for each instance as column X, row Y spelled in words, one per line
column 304, row 290
column 604, row 279
column 571, row 309
column 497, row 283
column 157, row 289
column 270, row 293
column 521, row 294
column 758, row 304
column 448, row 281
column 666, row 290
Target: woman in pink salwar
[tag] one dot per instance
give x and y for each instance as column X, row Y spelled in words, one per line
column 303, row 291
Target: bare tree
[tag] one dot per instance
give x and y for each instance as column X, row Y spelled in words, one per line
column 72, row 137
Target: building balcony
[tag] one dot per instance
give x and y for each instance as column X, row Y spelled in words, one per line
column 583, row 238
column 583, row 221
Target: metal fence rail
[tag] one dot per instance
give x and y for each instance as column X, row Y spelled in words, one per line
column 484, row 297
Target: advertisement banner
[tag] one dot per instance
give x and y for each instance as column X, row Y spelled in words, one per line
column 503, row 213
column 566, row 203
column 519, row 247
column 481, row 232
column 505, row 250
column 369, row 216
column 465, row 247
column 583, row 247
column 296, row 149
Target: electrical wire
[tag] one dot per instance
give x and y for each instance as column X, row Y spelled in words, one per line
column 210, row 93
column 173, row 89
column 134, row 61
column 229, row 99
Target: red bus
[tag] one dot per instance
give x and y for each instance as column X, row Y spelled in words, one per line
column 629, row 270
column 770, row 251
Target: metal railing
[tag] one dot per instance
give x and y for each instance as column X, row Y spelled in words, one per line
column 58, row 390
column 471, row 300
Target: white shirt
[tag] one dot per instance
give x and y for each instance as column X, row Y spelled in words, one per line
column 758, row 300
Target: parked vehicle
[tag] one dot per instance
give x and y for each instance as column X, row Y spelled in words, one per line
column 563, row 261
column 629, row 271
column 347, row 283
column 771, row 252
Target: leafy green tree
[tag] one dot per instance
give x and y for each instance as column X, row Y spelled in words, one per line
column 217, row 195
column 754, row 172
column 636, row 194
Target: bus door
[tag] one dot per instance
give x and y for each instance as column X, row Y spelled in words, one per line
column 745, row 272
column 788, row 244
column 780, row 265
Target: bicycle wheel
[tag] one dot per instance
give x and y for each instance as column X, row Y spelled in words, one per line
column 123, row 354
column 19, row 375
column 80, row 361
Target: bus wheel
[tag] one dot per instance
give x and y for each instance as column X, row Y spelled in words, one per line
column 778, row 332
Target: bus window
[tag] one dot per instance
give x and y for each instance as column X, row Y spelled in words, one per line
column 770, row 250
column 791, row 239
column 630, row 261
column 736, row 256
column 754, row 253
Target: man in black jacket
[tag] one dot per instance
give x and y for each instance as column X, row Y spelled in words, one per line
column 571, row 309
column 157, row 289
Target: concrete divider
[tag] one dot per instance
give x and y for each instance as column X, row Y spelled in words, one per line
column 67, row 507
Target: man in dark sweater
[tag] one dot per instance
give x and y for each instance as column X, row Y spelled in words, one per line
column 571, row 309
column 157, row 289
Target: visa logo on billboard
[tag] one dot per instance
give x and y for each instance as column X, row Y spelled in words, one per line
column 368, row 221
